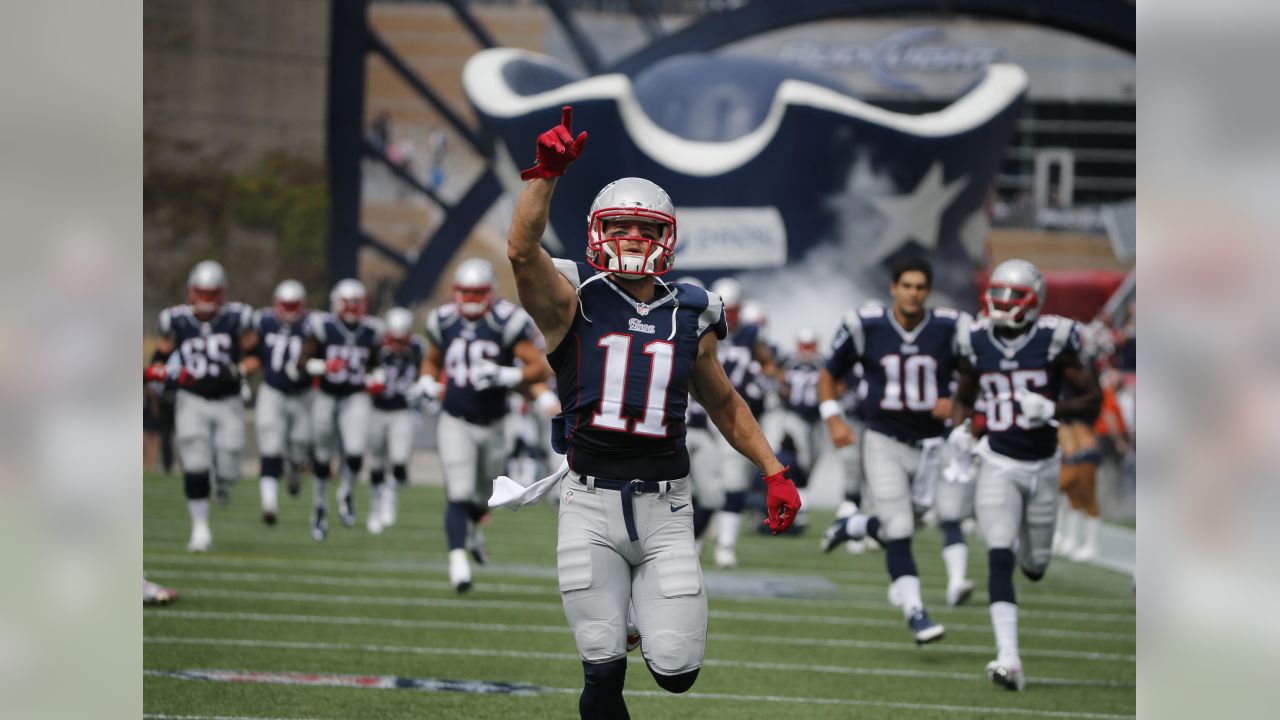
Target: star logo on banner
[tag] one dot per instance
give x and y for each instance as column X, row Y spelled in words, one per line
column 915, row 216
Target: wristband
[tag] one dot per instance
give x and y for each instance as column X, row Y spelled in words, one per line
column 829, row 409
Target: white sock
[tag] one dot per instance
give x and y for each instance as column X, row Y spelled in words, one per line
column 729, row 524
column 1091, row 525
column 320, row 493
column 846, row 509
column 269, row 489
column 344, row 487
column 1069, row 531
column 856, row 525
column 1004, row 620
column 956, row 558
column 198, row 510
column 907, row 590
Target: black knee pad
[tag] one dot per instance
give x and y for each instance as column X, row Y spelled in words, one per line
column 602, row 690
column 1033, row 575
column 320, row 469
column 400, row 473
column 376, row 477
column 354, row 463
column 1000, row 563
column 675, row 683
column 273, row 466
column 196, row 485
column 952, row 534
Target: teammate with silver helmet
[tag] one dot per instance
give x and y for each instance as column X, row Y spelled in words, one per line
column 342, row 350
column 204, row 342
column 391, row 422
column 749, row 365
column 1019, row 361
column 480, row 349
column 628, row 349
column 282, row 415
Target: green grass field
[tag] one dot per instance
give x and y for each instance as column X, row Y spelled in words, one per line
column 272, row 600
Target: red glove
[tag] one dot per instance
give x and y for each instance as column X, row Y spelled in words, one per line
column 333, row 365
column 557, row 149
column 783, row 501
column 186, row 379
column 155, row 373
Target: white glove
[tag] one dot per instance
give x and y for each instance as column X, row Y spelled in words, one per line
column 315, row 367
column 426, row 387
column 485, row 375
column 548, row 403
column 1036, row 408
column 246, row 392
column 961, row 439
column 291, row 371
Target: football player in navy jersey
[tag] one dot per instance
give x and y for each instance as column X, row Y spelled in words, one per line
column 907, row 353
column 799, row 390
column 628, row 349
column 1019, row 361
column 205, row 341
column 391, row 423
column 748, row 363
column 341, row 348
column 475, row 343
column 704, row 459
column 283, row 412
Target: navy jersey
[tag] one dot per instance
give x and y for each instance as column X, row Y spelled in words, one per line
column 463, row 343
column 356, row 346
column 208, row 351
column 280, row 344
column 802, row 374
column 737, row 355
column 401, row 367
column 1005, row 365
column 623, row 371
column 906, row 372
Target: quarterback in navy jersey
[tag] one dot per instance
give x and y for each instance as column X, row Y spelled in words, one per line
column 341, row 349
column 282, row 415
column 207, row 345
column 480, row 349
column 907, row 353
column 1018, row 360
column 628, row 349
column 391, row 421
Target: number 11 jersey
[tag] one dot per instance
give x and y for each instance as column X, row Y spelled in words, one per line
column 622, row 373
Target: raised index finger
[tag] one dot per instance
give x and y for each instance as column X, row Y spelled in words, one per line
column 566, row 118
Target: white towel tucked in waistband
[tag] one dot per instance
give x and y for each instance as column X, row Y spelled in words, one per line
column 509, row 493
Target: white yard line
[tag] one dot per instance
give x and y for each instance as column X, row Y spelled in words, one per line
column 950, row 649
column 873, row 587
column 636, row 693
column 556, row 607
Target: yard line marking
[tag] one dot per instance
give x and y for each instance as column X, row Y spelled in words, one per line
column 163, row 716
column 337, row 581
column 531, row 589
column 875, row 584
column 390, row 683
column 757, row 698
column 776, row 640
column 557, row 608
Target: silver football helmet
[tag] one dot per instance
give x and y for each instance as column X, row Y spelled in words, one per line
column 290, row 299
column 399, row 326
column 635, row 200
column 349, row 301
column 806, row 341
column 206, row 287
column 729, row 290
column 1015, row 294
column 473, row 287
column 753, row 313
